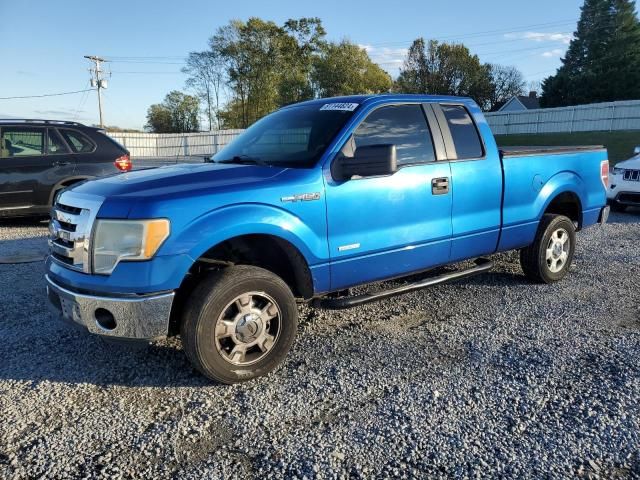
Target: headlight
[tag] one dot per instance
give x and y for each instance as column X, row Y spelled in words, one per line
column 617, row 171
column 118, row 240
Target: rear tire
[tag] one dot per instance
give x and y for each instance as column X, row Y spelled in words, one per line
column 547, row 260
column 239, row 324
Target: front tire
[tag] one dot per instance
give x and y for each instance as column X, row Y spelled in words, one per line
column 547, row 260
column 239, row 324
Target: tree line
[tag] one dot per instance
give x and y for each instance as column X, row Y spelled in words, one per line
column 253, row 67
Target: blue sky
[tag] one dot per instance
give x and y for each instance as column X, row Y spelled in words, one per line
column 42, row 43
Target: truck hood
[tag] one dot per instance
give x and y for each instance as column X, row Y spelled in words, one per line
column 632, row 164
column 176, row 180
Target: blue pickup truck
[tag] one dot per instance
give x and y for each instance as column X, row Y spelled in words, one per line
column 311, row 200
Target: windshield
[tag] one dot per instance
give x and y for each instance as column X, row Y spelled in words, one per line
column 292, row 137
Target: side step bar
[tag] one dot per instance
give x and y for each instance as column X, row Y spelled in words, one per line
column 482, row 265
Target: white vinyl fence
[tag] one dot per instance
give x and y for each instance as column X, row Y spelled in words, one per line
column 174, row 145
column 610, row 116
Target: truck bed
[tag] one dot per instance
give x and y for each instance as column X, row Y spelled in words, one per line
column 546, row 150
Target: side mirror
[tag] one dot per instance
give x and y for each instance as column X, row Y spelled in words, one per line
column 367, row 161
column 636, row 151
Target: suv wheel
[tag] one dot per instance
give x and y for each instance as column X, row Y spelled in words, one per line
column 239, row 324
column 548, row 259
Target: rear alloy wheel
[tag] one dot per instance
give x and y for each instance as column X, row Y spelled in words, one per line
column 547, row 260
column 239, row 324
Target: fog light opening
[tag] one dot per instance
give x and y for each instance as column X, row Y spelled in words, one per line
column 105, row 319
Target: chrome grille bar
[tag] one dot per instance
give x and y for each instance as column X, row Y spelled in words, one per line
column 72, row 219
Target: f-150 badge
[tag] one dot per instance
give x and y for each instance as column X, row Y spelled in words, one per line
column 301, row 197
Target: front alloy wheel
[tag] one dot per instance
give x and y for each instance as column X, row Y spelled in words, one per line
column 248, row 328
column 239, row 323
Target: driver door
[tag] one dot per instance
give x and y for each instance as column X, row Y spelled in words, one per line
column 386, row 226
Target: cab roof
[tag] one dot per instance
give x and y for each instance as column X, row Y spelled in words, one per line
column 393, row 97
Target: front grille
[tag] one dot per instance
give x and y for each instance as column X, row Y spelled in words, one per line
column 632, row 175
column 68, row 209
column 72, row 219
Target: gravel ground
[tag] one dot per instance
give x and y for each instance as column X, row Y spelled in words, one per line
column 492, row 376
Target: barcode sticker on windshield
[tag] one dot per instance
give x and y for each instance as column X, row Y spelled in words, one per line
column 347, row 107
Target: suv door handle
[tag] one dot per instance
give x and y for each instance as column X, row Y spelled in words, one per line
column 61, row 163
column 440, row 186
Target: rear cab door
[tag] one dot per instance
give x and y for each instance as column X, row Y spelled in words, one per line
column 476, row 179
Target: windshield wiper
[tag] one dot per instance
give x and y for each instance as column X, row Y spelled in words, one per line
column 244, row 159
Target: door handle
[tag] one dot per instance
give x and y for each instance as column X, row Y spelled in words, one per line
column 440, row 186
column 60, row 163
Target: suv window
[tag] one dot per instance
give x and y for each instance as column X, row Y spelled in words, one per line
column 55, row 144
column 21, row 142
column 404, row 126
column 77, row 141
column 464, row 132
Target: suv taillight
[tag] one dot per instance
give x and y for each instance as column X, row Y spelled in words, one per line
column 123, row 163
column 604, row 173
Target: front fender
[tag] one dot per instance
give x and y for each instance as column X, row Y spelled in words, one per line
column 224, row 223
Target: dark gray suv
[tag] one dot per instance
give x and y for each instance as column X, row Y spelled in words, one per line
column 38, row 158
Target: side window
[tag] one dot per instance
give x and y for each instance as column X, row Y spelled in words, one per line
column 464, row 132
column 21, row 142
column 54, row 143
column 404, row 126
column 77, row 141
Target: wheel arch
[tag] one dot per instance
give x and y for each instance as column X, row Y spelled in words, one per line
column 564, row 194
column 267, row 251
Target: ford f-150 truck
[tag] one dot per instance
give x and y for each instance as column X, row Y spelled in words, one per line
column 311, row 200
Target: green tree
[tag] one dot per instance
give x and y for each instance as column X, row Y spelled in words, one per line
column 305, row 39
column 444, row 69
column 345, row 69
column 178, row 113
column 603, row 59
column 256, row 53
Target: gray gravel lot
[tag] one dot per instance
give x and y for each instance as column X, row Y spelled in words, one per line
column 490, row 376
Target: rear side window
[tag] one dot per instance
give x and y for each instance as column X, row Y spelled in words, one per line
column 54, row 144
column 78, row 142
column 464, row 132
column 404, row 126
column 21, row 142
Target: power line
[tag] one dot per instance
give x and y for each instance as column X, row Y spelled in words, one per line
column 46, row 95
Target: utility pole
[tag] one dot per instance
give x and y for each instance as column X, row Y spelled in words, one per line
column 97, row 81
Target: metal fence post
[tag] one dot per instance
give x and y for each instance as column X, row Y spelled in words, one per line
column 613, row 114
column 185, row 144
column 573, row 114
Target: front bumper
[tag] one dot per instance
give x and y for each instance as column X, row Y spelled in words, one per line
column 624, row 192
column 136, row 318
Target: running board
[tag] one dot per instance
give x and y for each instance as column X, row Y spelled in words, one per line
column 482, row 265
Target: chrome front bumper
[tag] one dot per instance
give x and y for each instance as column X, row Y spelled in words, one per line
column 139, row 318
